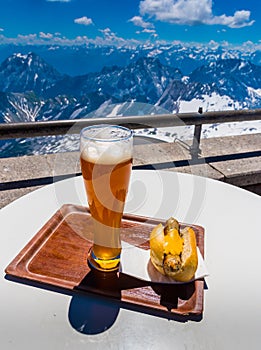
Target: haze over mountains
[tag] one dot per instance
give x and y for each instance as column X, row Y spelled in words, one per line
column 125, row 81
column 79, row 60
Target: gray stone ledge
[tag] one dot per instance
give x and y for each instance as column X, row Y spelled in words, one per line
column 27, row 173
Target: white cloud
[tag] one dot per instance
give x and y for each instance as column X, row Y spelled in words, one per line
column 139, row 22
column 45, row 35
column 191, row 12
column 146, row 30
column 83, row 20
column 26, row 39
column 238, row 20
column 107, row 32
column 108, row 37
column 111, row 37
column 152, row 32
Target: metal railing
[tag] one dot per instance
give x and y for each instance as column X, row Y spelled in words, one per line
column 61, row 127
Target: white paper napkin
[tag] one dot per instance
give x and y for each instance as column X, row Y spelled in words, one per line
column 136, row 262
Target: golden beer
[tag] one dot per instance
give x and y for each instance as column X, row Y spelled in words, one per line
column 106, row 167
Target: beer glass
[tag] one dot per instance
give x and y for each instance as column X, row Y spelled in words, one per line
column 106, row 162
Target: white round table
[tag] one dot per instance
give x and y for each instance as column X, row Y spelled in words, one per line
column 36, row 318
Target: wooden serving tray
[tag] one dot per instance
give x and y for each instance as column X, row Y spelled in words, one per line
column 57, row 257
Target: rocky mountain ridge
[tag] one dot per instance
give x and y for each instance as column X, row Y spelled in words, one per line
column 31, row 89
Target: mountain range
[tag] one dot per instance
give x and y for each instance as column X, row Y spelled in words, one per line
column 31, row 89
column 82, row 59
column 151, row 80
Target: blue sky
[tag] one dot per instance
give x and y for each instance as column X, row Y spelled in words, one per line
column 130, row 21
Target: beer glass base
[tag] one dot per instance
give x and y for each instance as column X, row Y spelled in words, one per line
column 101, row 264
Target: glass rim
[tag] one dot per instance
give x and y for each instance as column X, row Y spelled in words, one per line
column 99, row 126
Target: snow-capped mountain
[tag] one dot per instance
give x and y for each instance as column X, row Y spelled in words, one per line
column 21, row 73
column 236, row 82
column 151, row 82
column 143, row 80
column 227, row 75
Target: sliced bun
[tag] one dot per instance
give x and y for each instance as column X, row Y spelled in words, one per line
column 173, row 251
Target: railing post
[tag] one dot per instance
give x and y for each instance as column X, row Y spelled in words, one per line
column 194, row 149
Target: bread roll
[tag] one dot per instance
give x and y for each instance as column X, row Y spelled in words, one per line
column 173, row 251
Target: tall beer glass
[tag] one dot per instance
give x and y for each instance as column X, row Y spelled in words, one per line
column 106, row 162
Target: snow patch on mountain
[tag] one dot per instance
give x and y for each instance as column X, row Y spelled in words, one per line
column 254, row 93
column 212, row 102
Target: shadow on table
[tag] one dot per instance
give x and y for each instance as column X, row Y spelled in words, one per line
column 91, row 315
column 95, row 307
column 97, row 299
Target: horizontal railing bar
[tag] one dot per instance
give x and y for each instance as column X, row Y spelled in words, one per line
column 61, row 127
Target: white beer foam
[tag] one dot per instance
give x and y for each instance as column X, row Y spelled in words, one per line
column 107, row 153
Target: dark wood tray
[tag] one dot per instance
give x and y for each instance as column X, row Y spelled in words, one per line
column 56, row 257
